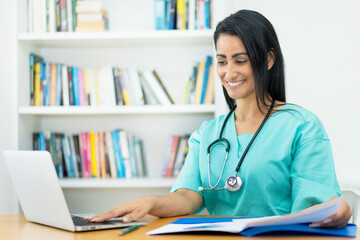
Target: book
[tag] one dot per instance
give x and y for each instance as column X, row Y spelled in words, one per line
column 132, row 156
column 70, row 86
column 58, row 15
column 149, row 94
column 118, row 157
column 167, row 155
column 157, row 88
column 172, row 15
column 63, row 16
column 37, row 85
column 110, row 87
column 69, row 15
column 173, row 153
column 124, row 86
column 125, row 152
column 181, row 155
column 81, row 83
column 110, row 150
column 296, row 223
column 94, row 154
column 210, row 89
column 87, row 87
column 140, row 159
column 160, row 14
column 205, row 80
column 51, row 23
column 117, row 86
column 181, row 14
column 162, row 86
column 199, row 81
column 102, row 155
column 58, row 85
column 65, row 85
column 75, row 80
column 136, row 90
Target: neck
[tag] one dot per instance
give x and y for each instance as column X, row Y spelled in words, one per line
column 248, row 109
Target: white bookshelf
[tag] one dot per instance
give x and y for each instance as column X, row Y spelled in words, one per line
column 118, row 183
column 171, row 53
column 119, row 110
column 75, row 39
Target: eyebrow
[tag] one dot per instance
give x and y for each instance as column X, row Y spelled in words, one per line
column 233, row 56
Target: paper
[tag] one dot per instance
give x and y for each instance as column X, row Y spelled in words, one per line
column 315, row 213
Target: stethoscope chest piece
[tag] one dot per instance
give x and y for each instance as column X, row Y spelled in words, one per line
column 233, row 183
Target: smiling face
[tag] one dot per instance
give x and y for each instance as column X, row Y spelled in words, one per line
column 234, row 67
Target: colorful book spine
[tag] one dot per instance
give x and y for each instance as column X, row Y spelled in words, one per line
column 75, row 80
column 58, row 85
column 206, row 77
column 160, row 14
column 44, row 82
column 173, row 154
column 118, row 157
column 37, row 84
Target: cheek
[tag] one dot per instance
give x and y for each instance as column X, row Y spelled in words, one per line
column 220, row 73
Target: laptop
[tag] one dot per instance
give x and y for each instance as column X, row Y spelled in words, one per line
column 41, row 197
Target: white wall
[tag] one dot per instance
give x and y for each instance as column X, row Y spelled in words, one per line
column 7, row 204
column 320, row 42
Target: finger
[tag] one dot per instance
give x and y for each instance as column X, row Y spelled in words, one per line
column 134, row 215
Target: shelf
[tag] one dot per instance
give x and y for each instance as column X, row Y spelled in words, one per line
column 111, row 39
column 118, row 183
column 118, row 110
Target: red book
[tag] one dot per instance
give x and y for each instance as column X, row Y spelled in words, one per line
column 174, row 149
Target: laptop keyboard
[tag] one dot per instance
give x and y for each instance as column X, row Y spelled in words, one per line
column 80, row 221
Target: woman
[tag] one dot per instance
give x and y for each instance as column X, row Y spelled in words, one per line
column 279, row 157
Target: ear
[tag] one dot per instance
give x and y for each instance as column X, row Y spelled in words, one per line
column 271, row 59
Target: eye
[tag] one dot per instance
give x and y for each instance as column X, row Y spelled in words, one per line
column 221, row 62
column 241, row 61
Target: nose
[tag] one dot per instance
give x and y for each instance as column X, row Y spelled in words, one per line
column 230, row 72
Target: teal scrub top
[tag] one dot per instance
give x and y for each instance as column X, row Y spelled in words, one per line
column 288, row 167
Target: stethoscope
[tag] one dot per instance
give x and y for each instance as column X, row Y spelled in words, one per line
column 234, row 182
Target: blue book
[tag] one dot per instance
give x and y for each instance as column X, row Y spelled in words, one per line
column 75, row 79
column 207, row 13
column 58, row 84
column 42, row 145
column 206, row 77
column 44, row 82
column 172, row 14
column 119, row 161
column 160, row 14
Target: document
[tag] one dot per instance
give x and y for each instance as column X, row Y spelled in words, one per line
column 296, row 222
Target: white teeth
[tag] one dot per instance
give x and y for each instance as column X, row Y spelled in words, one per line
column 233, row 84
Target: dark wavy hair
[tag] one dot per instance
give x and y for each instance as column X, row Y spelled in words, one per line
column 259, row 38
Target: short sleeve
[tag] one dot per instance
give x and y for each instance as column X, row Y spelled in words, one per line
column 312, row 172
column 189, row 176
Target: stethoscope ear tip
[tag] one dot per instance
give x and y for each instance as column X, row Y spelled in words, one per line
column 200, row 188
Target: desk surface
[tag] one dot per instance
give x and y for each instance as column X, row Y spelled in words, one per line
column 15, row 227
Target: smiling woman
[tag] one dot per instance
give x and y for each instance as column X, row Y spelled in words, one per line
column 280, row 152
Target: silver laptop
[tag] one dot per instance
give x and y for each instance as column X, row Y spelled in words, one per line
column 40, row 195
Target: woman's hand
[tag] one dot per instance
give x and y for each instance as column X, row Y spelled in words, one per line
column 181, row 202
column 339, row 219
column 129, row 211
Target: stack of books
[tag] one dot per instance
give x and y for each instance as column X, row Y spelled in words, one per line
column 51, row 15
column 56, row 84
column 110, row 154
column 91, row 17
column 199, row 87
column 175, row 155
column 182, row 14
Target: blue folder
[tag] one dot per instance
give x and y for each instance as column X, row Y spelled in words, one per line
column 291, row 229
